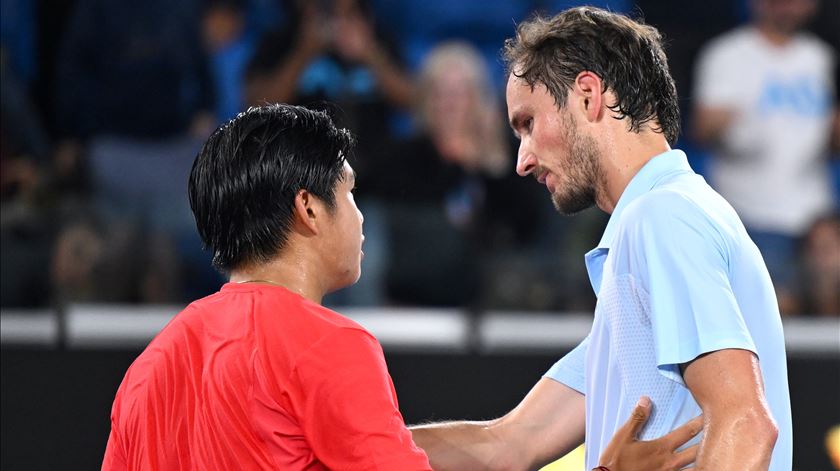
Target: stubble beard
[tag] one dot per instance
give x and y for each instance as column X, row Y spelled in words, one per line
column 582, row 174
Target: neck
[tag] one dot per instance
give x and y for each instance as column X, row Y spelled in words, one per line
column 290, row 270
column 774, row 35
column 624, row 154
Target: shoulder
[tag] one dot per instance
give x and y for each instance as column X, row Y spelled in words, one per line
column 329, row 331
column 339, row 343
column 678, row 215
column 729, row 44
column 811, row 44
column 661, row 206
column 329, row 319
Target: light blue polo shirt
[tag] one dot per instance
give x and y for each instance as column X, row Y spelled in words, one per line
column 676, row 276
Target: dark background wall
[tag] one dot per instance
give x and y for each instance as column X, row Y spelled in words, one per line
column 56, row 402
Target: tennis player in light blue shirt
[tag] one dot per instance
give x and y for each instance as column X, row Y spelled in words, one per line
column 686, row 311
column 676, row 277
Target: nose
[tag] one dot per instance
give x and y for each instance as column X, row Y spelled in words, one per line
column 526, row 162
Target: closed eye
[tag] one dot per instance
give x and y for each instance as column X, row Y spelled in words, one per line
column 522, row 125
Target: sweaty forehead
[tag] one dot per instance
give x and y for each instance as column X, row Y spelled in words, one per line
column 516, row 90
column 519, row 97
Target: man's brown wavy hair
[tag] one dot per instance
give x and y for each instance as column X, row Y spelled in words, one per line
column 627, row 55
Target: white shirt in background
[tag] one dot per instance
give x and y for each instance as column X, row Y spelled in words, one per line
column 772, row 163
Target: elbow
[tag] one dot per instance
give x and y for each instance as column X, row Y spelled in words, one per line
column 763, row 432
column 770, row 433
column 766, row 440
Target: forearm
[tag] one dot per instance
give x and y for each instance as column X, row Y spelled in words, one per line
column 737, row 442
column 547, row 424
column 710, row 124
column 396, row 85
column 464, row 445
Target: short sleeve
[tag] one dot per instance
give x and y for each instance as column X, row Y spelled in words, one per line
column 114, row 459
column 348, row 408
column 713, row 83
column 679, row 259
column 570, row 370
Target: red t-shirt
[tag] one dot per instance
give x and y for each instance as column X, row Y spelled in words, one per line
column 256, row 377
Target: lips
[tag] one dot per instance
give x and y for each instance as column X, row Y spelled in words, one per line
column 549, row 182
column 546, row 178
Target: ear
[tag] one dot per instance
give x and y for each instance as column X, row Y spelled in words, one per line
column 307, row 210
column 588, row 95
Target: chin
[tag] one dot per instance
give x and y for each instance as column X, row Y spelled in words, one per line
column 351, row 278
column 569, row 204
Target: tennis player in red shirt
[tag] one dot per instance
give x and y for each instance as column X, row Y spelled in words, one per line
column 260, row 375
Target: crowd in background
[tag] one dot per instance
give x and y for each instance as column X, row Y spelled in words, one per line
column 106, row 102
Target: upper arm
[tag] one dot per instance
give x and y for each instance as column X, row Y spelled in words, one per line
column 740, row 432
column 715, row 84
column 727, row 382
column 547, row 424
column 715, row 95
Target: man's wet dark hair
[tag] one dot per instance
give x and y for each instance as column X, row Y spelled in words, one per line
column 245, row 178
column 626, row 54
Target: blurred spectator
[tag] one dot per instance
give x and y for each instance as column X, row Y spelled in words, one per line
column 819, row 283
column 332, row 51
column 134, row 102
column 765, row 102
column 25, row 226
column 18, row 36
column 133, row 69
column 230, row 43
column 231, row 31
column 451, row 194
column 419, row 25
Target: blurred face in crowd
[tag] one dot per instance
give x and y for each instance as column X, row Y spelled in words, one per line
column 342, row 250
column 451, row 86
column 783, row 16
column 552, row 148
column 221, row 25
column 452, row 96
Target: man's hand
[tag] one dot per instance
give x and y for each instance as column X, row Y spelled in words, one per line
column 626, row 453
